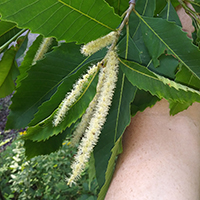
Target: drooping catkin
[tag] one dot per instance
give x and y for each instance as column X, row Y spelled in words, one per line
column 98, row 119
column 42, row 49
column 80, row 129
column 98, row 44
column 72, row 96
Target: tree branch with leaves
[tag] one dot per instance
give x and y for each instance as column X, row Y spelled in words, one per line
column 100, row 63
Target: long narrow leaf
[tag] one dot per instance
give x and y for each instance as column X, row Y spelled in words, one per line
column 157, row 85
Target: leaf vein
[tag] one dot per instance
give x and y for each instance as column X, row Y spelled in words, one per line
column 84, row 14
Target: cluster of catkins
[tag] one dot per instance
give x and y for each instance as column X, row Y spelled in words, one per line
column 95, row 116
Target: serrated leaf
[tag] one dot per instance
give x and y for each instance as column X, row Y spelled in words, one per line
column 64, row 19
column 185, row 77
column 156, row 33
column 119, row 6
column 142, row 100
column 157, row 85
column 45, row 147
column 118, row 119
column 176, row 107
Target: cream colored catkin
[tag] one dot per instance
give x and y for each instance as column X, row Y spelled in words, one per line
column 99, row 43
column 42, row 49
column 80, row 129
column 98, row 118
column 72, row 96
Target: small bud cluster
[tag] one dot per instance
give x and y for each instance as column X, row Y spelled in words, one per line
column 99, row 110
column 42, row 49
column 72, row 96
column 98, row 44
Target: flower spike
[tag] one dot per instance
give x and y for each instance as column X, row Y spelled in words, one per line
column 88, row 114
column 98, row 44
column 98, row 118
column 42, row 49
column 72, row 96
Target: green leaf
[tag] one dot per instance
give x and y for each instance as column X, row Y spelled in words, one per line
column 176, row 107
column 157, row 85
column 116, row 150
column 45, row 128
column 146, row 8
column 28, row 59
column 156, row 33
column 45, row 147
column 128, row 50
column 175, row 3
column 141, row 101
column 118, row 119
column 167, row 68
column 64, row 19
column 170, row 14
column 119, row 6
column 42, row 83
column 7, row 31
column 185, row 77
column 7, row 69
column 160, row 5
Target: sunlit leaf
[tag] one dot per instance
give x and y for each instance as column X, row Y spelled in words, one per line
column 158, row 85
column 76, row 20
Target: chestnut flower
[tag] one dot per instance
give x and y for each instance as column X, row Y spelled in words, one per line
column 72, row 96
column 98, row 44
column 100, row 112
column 42, row 49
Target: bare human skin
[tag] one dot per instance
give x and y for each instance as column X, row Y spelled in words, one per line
column 161, row 154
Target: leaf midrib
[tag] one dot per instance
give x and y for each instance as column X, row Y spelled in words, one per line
column 172, row 51
column 84, row 14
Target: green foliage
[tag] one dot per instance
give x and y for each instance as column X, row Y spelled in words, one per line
column 157, row 60
column 7, row 31
column 42, row 177
column 49, row 18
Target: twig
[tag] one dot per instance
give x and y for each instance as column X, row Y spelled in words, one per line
column 124, row 22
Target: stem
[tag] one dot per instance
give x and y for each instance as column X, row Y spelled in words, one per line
column 11, row 40
column 124, row 22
